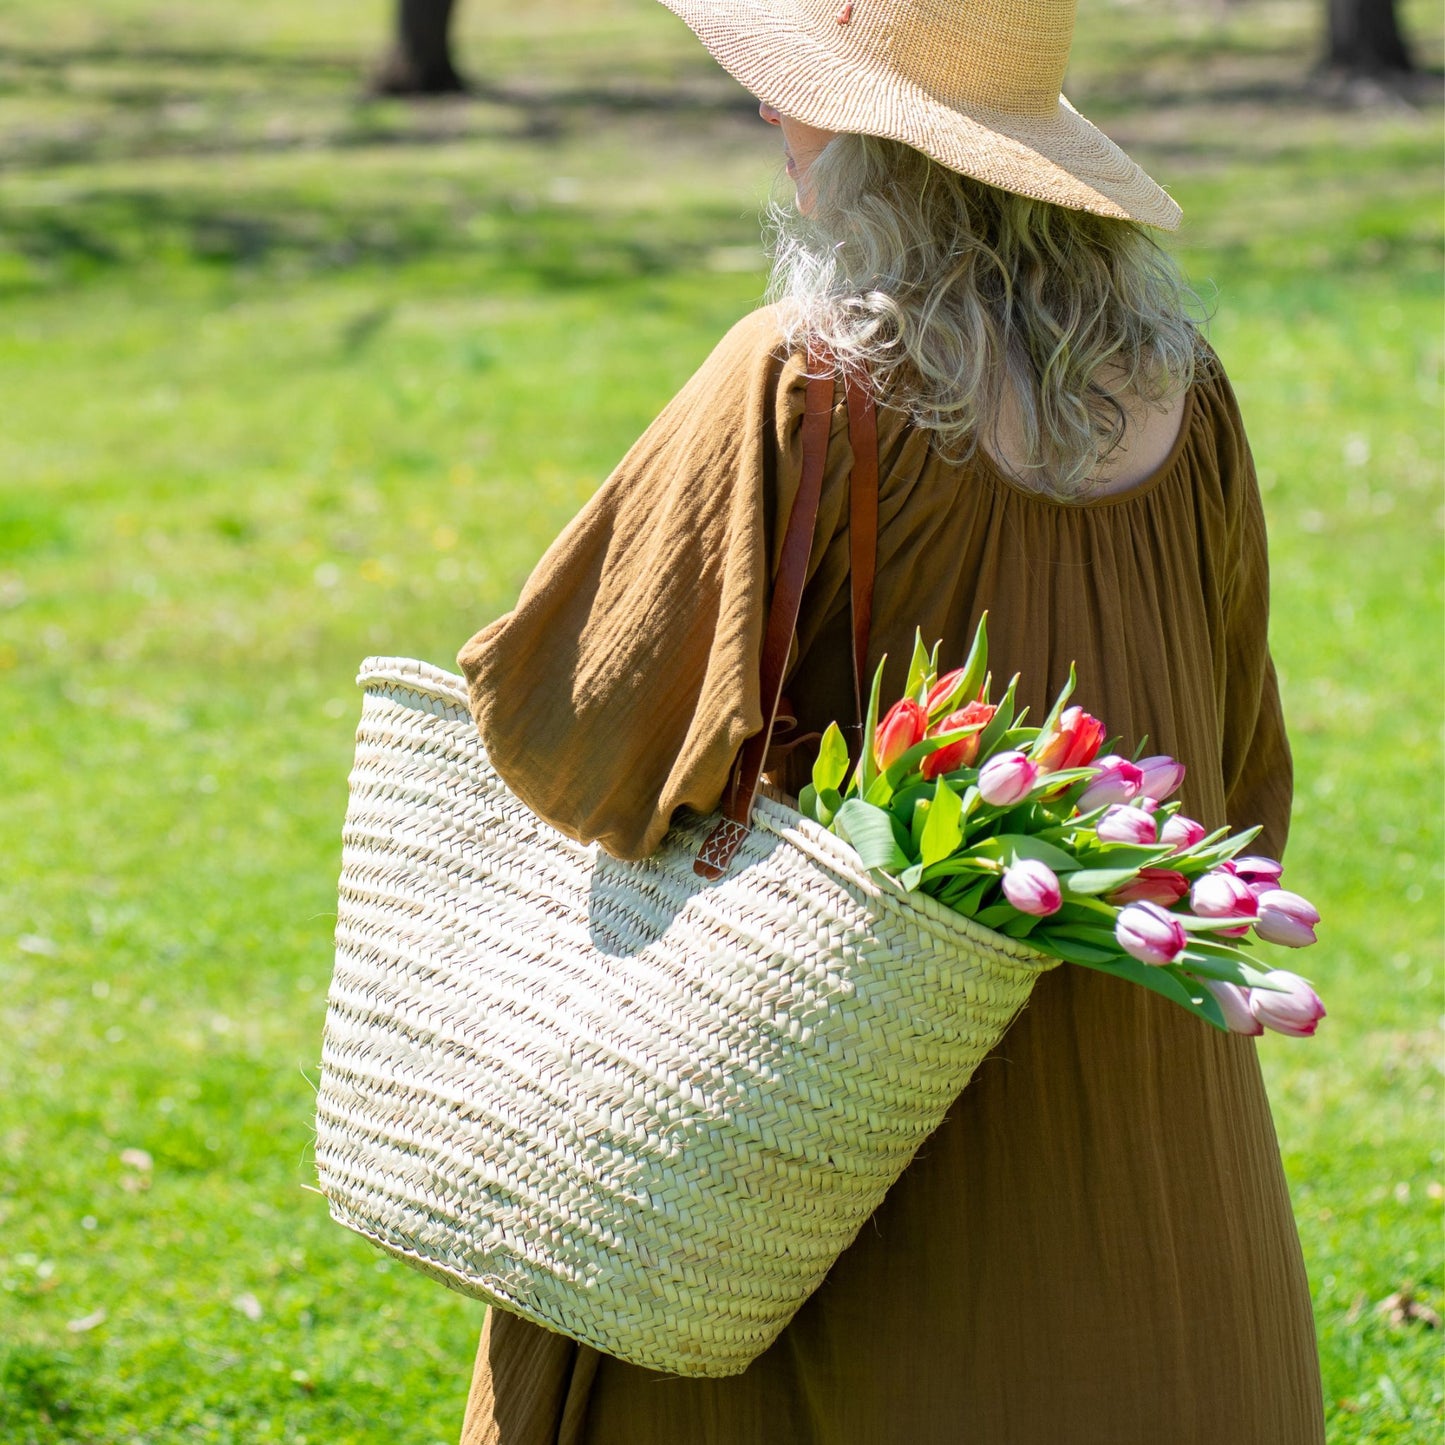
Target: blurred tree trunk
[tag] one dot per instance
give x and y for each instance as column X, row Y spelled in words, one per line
column 1365, row 38
column 420, row 59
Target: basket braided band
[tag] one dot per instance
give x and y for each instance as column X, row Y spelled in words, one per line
column 640, row 1109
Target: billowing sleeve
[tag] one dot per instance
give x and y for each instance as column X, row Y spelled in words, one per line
column 624, row 681
column 1258, row 770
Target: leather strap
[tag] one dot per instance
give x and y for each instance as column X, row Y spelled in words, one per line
column 862, row 530
column 727, row 835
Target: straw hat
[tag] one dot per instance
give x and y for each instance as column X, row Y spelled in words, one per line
column 972, row 83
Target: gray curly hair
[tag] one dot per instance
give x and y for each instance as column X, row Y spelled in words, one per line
column 959, row 299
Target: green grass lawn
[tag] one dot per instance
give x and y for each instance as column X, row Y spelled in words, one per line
column 287, row 377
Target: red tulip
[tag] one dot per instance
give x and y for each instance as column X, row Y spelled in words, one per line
column 902, row 727
column 942, row 691
column 1153, row 885
column 961, row 753
column 1073, row 741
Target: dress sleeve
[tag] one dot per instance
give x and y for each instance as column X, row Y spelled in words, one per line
column 624, row 681
column 1258, row 769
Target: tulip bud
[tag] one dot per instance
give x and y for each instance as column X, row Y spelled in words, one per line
column 1153, row 885
column 1146, row 932
column 1286, row 918
column 943, row 693
column 1162, row 775
column 1234, row 1003
column 1074, row 741
column 1296, row 1011
column 1222, row 895
column 1032, row 887
column 902, row 727
column 1126, row 825
column 1116, row 780
column 962, row 753
column 1261, row 874
column 1181, row 832
column 1006, row 778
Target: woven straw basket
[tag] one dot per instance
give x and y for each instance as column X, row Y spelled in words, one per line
column 639, row 1109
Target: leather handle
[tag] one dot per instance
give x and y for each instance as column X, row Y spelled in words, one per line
column 862, row 531
column 722, row 843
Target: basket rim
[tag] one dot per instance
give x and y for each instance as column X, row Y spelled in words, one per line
column 769, row 816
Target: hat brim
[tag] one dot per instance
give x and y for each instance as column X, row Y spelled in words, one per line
column 1056, row 157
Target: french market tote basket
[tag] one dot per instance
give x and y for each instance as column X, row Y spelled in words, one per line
column 644, row 1104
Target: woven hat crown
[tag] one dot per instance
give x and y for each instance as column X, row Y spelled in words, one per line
column 975, row 84
column 1001, row 55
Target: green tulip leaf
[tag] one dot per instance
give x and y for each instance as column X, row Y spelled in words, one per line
column 871, row 832
column 1056, row 712
column 976, row 664
column 1006, row 847
column 867, row 768
column 942, row 830
column 991, row 739
column 1089, row 881
column 808, row 804
column 1047, row 940
column 918, row 669
column 831, row 765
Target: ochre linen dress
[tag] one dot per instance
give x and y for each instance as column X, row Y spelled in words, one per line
column 1096, row 1247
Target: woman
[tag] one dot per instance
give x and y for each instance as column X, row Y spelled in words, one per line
column 1097, row 1245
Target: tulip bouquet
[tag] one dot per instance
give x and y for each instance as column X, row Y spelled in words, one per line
column 1046, row 834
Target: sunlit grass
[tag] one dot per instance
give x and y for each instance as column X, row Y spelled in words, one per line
column 287, row 378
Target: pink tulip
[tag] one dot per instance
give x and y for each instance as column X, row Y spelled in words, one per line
column 1006, row 778
column 1286, row 918
column 1126, row 825
column 1261, row 874
column 1297, row 1011
column 1032, row 887
column 1116, row 780
column 962, row 753
column 902, row 727
column 1153, row 885
column 1222, row 895
column 1146, row 932
column 1073, row 741
column 1181, row 832
column 1234, row 1002
column 1162, row 775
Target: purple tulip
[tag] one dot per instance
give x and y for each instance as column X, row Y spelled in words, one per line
column 1161, row 776
column 1286, row 918
column 1234, row 1003
column 1126, row 825
column 1181, row 832
column 1032, row 887
column 1146, row 932
column 1115, row 780
column 1006, row 778
column 1296, row 1011
column 1222, row 895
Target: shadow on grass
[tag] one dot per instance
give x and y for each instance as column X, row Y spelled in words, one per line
column 509, row 242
